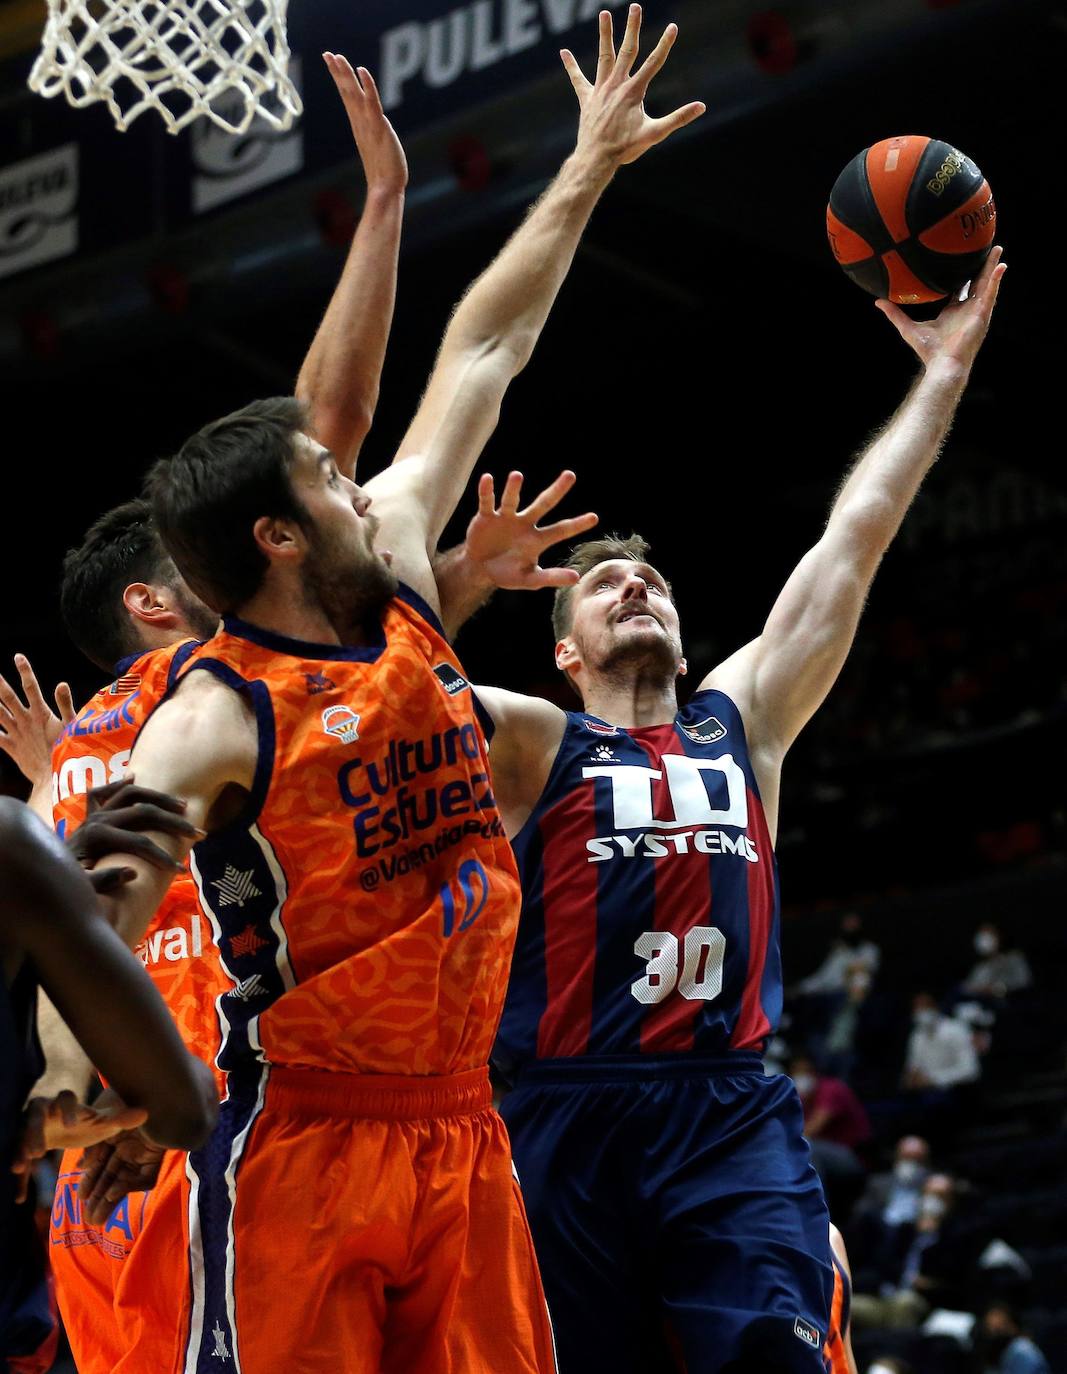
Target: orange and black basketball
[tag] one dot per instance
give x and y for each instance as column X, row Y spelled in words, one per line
column 911, row 219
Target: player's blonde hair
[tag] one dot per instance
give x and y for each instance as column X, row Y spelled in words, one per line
column 583, row 558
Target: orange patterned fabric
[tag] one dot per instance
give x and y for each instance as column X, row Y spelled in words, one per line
column 835, row 1350
column 95, row 749
column 366, row 903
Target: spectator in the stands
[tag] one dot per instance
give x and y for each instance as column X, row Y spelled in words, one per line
column 941, row 1054
column 936, row 1265
column 837, row 1129
column 862, row 1038
column 1002, row 1347
column 849, row 953
column 816, row 998
column 893, row 1195
column 999, row 972
column 890, row 1202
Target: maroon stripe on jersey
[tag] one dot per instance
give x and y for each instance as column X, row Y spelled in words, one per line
column 682, row 900
column 752, row 1024
column 569, row 902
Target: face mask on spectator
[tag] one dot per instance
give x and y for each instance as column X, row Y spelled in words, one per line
column 908, row 1171
column 986, row 943
column 852, row 938
column 926, row 1019
column 995, row 1346
column 804, row 1083
column 933, row 1208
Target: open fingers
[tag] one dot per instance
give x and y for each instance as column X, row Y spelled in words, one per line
column 65, row 703
column 10, row 701
column 552, row 495
column 552, row 577
column 129, row 795
column 509, row 497
column 606, row 54
column 370, row 88
column 567, row 529
column 30, row 686
column 656, row 58
column 486, row 494
column 669, row 124
column 578, row 80
column 631, row 41
column 344, row 78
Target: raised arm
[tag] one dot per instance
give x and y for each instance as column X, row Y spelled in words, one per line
column 340, row 376
column 495, row 327
column 781, row 678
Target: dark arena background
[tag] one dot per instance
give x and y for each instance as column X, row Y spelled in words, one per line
column 708, row 372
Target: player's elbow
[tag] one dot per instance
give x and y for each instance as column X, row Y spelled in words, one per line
column 191, row 1109
column 868, row 524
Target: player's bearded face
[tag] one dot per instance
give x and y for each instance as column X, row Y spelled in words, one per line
column 623, row 626
column 344, row 576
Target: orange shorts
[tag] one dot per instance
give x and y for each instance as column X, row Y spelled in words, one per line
column 121, row 1285
column 353, row 1224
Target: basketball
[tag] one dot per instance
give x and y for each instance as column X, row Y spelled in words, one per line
column 911, row 219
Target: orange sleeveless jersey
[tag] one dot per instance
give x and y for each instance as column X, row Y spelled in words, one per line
column 366, row 901
column 95, row 749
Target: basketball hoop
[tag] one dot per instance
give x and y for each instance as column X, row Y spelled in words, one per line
column 226, row 59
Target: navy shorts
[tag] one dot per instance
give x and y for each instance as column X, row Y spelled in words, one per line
column 677, row 1219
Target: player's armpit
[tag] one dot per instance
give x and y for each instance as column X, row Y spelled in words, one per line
column 526, row 738
column 201, row 746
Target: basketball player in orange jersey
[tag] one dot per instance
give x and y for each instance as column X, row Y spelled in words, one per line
column 669, row 1188
column 356, row 873
column 127, row 608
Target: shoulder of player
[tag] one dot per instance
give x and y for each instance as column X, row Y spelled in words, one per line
column 526, row 729
column 205, row 720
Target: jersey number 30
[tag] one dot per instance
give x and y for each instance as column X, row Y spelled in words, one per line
column 695, row 970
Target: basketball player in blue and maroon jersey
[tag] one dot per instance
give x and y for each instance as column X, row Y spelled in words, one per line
column 677, row 1218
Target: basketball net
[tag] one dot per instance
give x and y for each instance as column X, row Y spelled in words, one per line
column 226, row 59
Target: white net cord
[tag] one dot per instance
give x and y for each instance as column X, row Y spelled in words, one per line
column 226, row 59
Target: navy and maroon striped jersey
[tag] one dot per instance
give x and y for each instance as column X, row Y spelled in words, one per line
column 650, row 896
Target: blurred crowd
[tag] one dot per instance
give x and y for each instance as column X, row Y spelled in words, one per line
column 937, row 1117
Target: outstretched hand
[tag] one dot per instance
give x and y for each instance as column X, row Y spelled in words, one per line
column 30, row 728
column 64, row 1123
column 957, row 333
column 380, row 151
column 507, row 543
column 612, row 107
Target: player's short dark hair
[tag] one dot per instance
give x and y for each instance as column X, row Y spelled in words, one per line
column 121, row 547
column 207, row 498
column 587, row 555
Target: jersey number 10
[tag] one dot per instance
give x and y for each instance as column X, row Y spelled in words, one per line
column 695, row 970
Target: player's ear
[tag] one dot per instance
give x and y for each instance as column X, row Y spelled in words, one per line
column 683, row 667
column 278, row 538
column 142, row 601
column 566, row 655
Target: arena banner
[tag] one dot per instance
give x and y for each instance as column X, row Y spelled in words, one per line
column 226, row 166
column 39, row 209
column 433, row 58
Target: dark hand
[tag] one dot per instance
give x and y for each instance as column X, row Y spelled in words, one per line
column 117, row 815
column 128, row 1163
